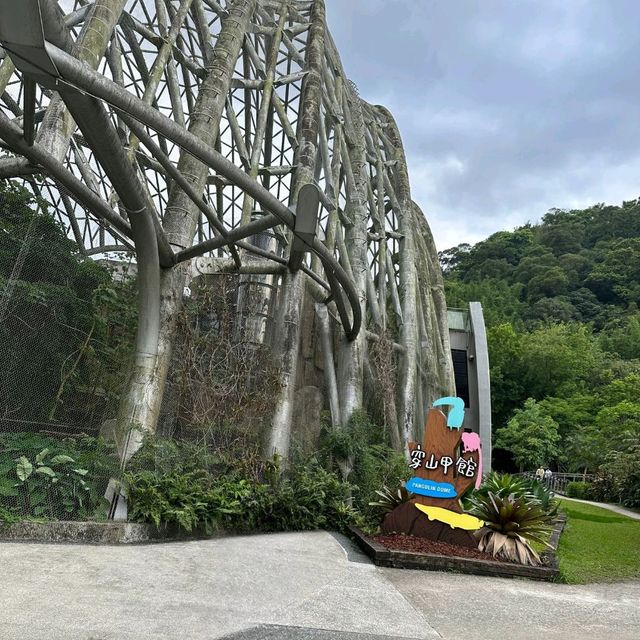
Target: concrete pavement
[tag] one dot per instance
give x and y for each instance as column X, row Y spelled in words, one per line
column 294, row 586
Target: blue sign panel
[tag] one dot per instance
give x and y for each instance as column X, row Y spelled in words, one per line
column 431, row 488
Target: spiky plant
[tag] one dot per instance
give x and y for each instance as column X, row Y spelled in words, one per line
column 512, row 522
column 500, row 484
column 549, row 503
column 390, row 499
column 503, row 484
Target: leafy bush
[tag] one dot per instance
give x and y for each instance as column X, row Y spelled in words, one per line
column 361, row 453
column 618, row 480
column 305, row 497
column 512, row 522
column 544, row 496
column 188, row 500
column 389, row 499
column 308, row 497
column 580, row 490
column 501, row 484
column 603, row 487
column 44, row 477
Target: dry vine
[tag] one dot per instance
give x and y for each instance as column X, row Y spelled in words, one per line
column 225, row 388
column 384, row 363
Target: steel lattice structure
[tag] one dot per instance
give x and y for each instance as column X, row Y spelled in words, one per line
column 226, row 136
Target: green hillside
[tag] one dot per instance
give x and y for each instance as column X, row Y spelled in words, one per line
column 561, row 305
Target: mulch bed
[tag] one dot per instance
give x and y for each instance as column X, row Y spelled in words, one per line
column 414, row 544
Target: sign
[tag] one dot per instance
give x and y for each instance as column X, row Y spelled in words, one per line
column 445, row 465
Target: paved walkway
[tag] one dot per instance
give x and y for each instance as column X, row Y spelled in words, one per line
column 311, row 586
column 605, row 505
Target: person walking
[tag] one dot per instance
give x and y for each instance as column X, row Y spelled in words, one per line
column 539, row 474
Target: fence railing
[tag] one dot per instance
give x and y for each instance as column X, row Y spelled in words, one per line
column 558, row 482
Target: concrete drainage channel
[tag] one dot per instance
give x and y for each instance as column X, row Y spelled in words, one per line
column 278, row 632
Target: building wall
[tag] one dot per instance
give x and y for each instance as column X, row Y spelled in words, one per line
column 467, row 333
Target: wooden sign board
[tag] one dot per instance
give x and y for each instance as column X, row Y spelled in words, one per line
column 445, row 465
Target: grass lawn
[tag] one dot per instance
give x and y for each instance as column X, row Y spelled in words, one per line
column 598, row 545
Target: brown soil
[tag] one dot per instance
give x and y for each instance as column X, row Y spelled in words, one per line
column 423, row 545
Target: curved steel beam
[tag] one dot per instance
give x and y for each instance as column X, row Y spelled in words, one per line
column 12, row 134
column 85, row 79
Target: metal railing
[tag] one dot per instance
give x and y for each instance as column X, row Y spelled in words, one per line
column 558, row 482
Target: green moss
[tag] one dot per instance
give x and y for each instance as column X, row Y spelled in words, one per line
column 598, row 545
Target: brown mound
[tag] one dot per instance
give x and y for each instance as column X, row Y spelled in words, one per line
column 424, row 545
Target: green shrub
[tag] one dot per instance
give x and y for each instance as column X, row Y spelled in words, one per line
column 188, row 500
column 580, row 490
column 192, row 485
column 307, row 497
column 603, row 487
column 618, row 479
column 389, row 499
column 545, row 497
column 302, row 498
column 58, row 479
column 503, row 484
column 361, row 453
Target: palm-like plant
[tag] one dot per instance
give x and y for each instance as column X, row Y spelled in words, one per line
column 512, row 522
column 390, row 499
column 503, row 484
column 549, row 503
column 499, row 484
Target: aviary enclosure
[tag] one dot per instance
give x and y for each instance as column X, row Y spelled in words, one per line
column 216, row 155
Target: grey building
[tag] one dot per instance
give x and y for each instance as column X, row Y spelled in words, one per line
column 470, row 356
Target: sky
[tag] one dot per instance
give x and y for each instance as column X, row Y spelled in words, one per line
column 507, row 108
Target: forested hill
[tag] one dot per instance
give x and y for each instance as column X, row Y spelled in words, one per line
column 561, row 305
column 574, row 266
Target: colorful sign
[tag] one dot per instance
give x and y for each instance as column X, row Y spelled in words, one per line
column 446, row 464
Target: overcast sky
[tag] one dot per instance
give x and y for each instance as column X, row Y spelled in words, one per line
column 507, row 108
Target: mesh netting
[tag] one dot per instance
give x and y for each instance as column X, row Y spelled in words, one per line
column 66, row 329
column 67, row 333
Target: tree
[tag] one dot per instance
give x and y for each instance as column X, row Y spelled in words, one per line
column 530, row 436
column 505, row 357
column 616, row 277
column 546, row 310
column 500, row 301
column 625, row 339
column 553, row 282
column 575, row 416
column 453, row 259
column 47, row 312
column 618, row 424
column 559, row 359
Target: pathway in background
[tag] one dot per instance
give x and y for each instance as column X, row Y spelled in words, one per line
column 605, row 505
column 295, row 586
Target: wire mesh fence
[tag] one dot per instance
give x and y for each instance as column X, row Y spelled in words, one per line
column 67, row 332
column 66, row 329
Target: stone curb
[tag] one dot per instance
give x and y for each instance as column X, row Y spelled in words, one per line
column 384, row 557
column 550, row 557
column 94, row 532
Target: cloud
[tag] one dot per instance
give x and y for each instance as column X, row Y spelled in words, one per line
column 506, row 108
